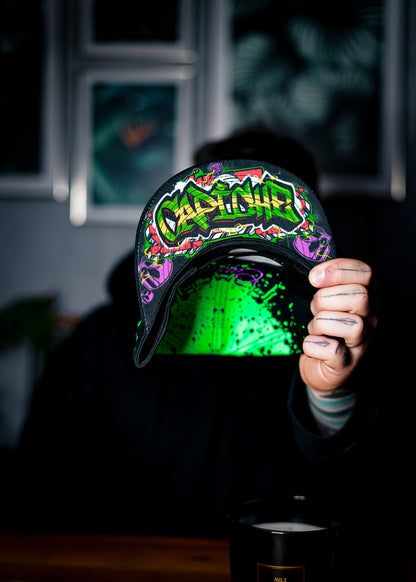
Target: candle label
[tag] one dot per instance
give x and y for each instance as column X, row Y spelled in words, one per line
column 266, row 573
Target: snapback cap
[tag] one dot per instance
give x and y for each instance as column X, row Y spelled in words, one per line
column 242, row 233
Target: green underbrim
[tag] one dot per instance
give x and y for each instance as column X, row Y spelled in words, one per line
column 231, row 312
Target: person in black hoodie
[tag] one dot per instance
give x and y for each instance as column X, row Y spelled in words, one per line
column 166, row 449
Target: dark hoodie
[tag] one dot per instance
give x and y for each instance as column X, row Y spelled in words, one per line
column 165, row 449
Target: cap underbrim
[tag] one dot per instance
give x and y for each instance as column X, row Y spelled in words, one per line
column 239, row 307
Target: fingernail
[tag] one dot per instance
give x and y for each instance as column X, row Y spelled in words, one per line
column 317, row 277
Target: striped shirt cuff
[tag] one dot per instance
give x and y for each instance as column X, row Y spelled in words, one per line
column 331, row 410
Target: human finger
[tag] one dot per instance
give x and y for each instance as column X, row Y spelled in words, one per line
column 340, row 272
column 350, row 298
column 327, row 363
column 348, row 326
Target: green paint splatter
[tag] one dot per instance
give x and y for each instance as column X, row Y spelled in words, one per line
column 137, row 329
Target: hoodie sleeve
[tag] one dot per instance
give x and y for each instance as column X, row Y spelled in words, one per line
column 316, row 446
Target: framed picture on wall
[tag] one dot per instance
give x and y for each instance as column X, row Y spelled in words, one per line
column 32, row 156
column 332, row 77
column 132, row 132
column 161, row 29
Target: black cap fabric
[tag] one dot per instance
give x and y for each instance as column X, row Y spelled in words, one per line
column 216, row 211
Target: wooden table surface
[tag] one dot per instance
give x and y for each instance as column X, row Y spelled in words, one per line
column 116, row 558
column 36, row 557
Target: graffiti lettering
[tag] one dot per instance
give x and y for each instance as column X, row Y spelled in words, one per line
column 195, row 210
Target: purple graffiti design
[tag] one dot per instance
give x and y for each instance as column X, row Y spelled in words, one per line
column 244, row 274
column 215, row 168
column 152, row 276
column 315, row 247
